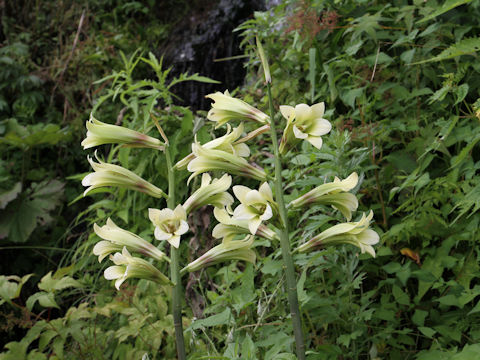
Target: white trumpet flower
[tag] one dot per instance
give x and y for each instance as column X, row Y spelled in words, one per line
column 226, row 108
column 127, row 266
column 304, row 123
column 169, row 224
column 117, row 238
column 113, row 175
column 354, row 233
column 100, row 133
column 256, row 205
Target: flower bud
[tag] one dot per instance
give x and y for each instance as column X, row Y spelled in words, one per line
column 229, row 249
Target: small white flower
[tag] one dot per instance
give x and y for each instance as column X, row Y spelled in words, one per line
column 256, row 205
column 304, row 123
column 169, row 224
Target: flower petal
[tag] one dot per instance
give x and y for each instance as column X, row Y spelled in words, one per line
column 298, row 133
column 320, row 127
column 253, row 225
column 183, row 228
column 161, row 235
column 315, row 141
column 174, row 241
column 318, row 110
column 286, row 111
column 241, row 192
column 114, row 272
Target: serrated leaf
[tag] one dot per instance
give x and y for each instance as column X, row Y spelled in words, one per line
column 447, row 6
column 463, row 47
column 461, row 92
column 51, row 284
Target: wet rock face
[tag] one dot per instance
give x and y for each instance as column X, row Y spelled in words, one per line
column 204, row 35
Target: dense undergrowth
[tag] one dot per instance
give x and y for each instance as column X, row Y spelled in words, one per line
column 403, row 80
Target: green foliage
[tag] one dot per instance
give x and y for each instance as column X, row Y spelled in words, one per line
column 406, row 120
column 414, row 134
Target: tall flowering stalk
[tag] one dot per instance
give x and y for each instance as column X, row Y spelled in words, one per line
column 284, row 232
column 238, row 227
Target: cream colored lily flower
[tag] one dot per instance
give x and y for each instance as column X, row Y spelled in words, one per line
column 226, row 108
column 100, row 133
column 211, row 159
column 126, row 266
column 334, row 194
column 117, row 238
column 113, row 175
column 256, row 205
column 225, row 143
column 210, row 193
column 169, row 224
column 354, row 233
column 303, row 123
column 229, row 226
column 229, row 249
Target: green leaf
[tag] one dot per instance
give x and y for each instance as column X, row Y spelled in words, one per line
column 50, row 284
column 463, row 47
column 419, row 316
column 428, row 332
column 248, row 348
column 11, row 286
column 351, row 95
column 447, row 6
column 45, row 299
column 9, row 195
column 224, row 318
column 400, row 296
column 461, row 92
column 32, row 208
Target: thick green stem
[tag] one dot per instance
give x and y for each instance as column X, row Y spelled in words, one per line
column 285, row 241
column 175, row 267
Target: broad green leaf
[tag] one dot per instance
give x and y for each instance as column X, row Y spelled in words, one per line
column 223, row 318
column 428, row 332
column 9, row 195
column 44, row 299
column 30, row 209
